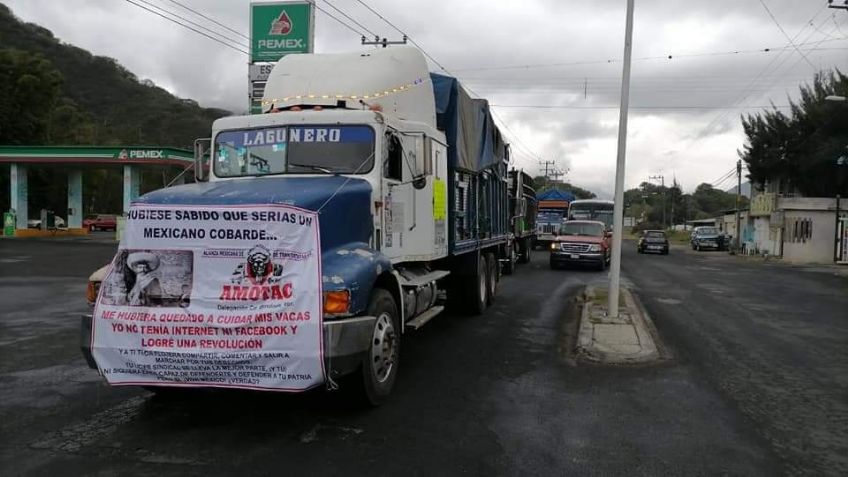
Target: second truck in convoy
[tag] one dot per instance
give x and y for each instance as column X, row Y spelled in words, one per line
column 408, row 174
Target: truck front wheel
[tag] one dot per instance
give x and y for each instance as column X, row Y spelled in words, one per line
column 380, row 363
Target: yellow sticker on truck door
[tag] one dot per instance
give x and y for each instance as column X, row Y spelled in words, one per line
column 440, row 200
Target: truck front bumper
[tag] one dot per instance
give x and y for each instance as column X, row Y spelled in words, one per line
column 586, row 257
column 345, row 343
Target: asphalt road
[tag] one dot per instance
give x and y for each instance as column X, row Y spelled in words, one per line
column 497, row 394
column 772, row 339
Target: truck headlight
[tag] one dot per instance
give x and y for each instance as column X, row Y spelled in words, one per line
column 594, row 248
column 553, row 246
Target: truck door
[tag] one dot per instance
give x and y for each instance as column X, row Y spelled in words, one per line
column 410, row 188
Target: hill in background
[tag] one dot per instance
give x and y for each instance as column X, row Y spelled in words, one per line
column 53, row 93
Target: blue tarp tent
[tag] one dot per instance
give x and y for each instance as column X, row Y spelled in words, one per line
column 556, row 194
column 475, row 143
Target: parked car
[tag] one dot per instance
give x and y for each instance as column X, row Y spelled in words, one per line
column 581, row 242
column 100, row 222
column 706, row 238
column 652, row 241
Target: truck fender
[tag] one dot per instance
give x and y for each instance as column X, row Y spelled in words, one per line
column 358, row 268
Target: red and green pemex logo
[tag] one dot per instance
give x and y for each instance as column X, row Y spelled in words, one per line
column 282, row 25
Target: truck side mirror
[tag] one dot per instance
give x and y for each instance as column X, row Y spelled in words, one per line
column 202, row 148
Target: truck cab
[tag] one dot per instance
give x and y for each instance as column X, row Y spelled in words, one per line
column 407, row 176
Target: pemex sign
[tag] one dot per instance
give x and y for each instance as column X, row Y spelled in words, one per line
column 280, row 28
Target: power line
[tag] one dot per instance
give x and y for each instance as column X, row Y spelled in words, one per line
column 405, row 34
column 188, row 27
column 669, row 56
column 210, row 19
column 349, row 17
column 744, row 95
column 724, row 177
column 546, row 106
column 518, row 141
column 358, row 33
column 198, row 25
column 791, row 42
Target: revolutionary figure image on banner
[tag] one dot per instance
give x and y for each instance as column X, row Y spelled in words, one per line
column 160, row 278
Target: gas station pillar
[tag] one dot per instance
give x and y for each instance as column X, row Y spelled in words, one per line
column 19, row 202
column 74, row 199
column 132, row 182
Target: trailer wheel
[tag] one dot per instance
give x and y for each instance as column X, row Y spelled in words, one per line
column 477, row 288
column 380, row 364
column 492, row 277
column 509, row 266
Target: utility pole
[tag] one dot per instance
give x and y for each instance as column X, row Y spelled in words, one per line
column 618, row 207
column 556, row 174
column 660, row 178
column 384, row 42
column 738, row 195
column 546, row 164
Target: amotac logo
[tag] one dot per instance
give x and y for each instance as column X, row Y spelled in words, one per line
column 257, row 279
column 282, row 25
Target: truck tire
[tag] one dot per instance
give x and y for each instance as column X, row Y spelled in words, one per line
column 492, row 277
column 509, row 266
column 476, row 288
column 377, row 375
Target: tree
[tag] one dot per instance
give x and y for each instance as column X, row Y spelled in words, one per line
column 542, row 183
column 29, row 88
column 646, row 203
column 798, row 151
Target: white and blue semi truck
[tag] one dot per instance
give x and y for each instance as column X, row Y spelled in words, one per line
column 408, row 174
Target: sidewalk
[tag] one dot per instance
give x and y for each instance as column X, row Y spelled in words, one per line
column 627, row 339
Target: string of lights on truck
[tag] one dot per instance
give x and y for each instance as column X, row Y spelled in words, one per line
column 379, row 94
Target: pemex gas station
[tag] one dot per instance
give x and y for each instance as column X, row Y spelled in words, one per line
column 277, row 29
column 131, row 160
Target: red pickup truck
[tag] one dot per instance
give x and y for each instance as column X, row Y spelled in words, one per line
column 581, row 242
column 100, row 222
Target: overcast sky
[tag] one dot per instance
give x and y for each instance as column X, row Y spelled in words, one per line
column 551, row 67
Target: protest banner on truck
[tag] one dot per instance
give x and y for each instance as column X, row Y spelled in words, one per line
column 220, row 296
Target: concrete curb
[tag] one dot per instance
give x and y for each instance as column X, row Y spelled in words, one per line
column 626, row 340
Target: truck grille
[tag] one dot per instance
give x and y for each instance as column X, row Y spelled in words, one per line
column 574, row 247
column 548, row 229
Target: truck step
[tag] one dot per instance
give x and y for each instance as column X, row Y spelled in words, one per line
column 423, row 318
column 421, row 280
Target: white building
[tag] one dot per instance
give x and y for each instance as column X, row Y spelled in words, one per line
column 798, row 229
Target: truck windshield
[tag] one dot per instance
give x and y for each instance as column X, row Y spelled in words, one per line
column 549, row 217
column 294, row 150
column 589, row 229
column 591, row 210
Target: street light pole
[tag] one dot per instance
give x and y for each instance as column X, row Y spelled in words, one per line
column 738, row 194
column 618, row 207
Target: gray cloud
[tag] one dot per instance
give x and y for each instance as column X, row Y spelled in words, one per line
column 468, row 35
